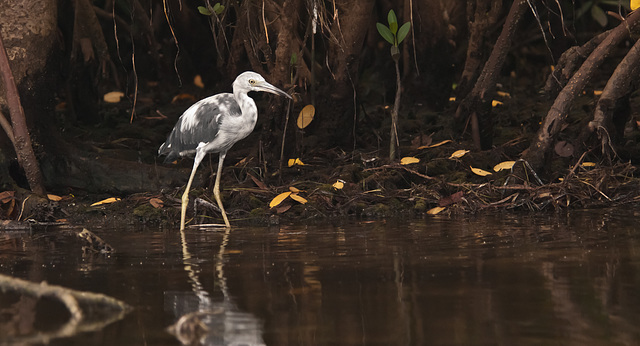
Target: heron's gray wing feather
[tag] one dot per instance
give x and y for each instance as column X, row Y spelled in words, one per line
column 198, row 124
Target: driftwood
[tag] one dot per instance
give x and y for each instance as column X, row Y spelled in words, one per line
column 86, row 311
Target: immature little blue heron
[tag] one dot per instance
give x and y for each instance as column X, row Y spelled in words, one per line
column 213, row 125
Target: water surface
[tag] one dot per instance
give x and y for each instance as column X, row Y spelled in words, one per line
column 513, row 279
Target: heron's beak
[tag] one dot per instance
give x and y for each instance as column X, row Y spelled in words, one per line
column 266, row 87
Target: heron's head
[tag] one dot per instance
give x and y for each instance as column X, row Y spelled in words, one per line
column 251, row 81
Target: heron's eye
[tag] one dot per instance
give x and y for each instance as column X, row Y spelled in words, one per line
column 252, row 81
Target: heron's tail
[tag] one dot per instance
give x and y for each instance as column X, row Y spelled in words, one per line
column 171, row 155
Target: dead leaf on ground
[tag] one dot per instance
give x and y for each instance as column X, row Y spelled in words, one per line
column 281, row 209
column 451, row 199
column 294, row 189
column 504, row 165
column 278, row 199
column 298, row 198
column 436, row 210
column 420, row 141
column 106, row 201
column 435, row 145
column 563, row 149
column 458, row 154
column 183, row 97
column 409, row 160
column 338, row 185
column 258, row 183
column 293, row 162
column 156, row 203
column 113, row 97
column 7, row 196
column 480, row 172
column 54, row 198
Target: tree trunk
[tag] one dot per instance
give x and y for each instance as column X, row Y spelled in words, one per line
column 477, row 104
column 482, row 15
column 336, row 111
column 29, row 31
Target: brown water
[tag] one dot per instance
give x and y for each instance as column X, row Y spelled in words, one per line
column 509, row 279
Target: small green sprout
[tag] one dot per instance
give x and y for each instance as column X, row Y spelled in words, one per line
column 217, row 9
column 392, row 34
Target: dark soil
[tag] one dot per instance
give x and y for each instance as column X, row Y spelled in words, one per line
column 373, row 186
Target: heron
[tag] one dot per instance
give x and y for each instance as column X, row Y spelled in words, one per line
column 213, row 125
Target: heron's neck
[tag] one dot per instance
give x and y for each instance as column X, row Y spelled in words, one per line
column 247, row 105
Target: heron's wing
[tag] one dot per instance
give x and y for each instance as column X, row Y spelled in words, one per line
column 200, row 123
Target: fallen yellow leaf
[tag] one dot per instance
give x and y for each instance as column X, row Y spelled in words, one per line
column 452, row 99
column 597, row 92
column 634, row 4
column 504, row 165
column 197, row 81
column 503, row 94
column 435, row 145
column 54, row 197
column 458, row 154
column 298, row 198
column 436, row 210
column 480, row 172
column 293, row 189
column 106, row 201
column 306, row 116
column 293, row 162
column 278, row 199
column 409, row 160
column 496, row 103
column 183, row 97
column 338, row 185
column 113, row 97
column 588, row 164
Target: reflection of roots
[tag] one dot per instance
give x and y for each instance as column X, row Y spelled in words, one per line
column 87, row 311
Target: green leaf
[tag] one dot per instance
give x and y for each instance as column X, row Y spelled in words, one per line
column 394, row 28
column 385, row 33
column 218, row 8
column 204, row 10
column 294, row 59
column 391, row 18
column 583, row 9
column 404, row 30
column 598, row 14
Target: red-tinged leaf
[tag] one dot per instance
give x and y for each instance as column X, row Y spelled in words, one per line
column 156, row 203
column 283, row 208
column 259, row 184
column 451, row 199
column 419, row 141
column 7, row 196
column 564, row 149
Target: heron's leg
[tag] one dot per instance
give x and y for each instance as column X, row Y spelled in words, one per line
column 185, row 196
column 216, row 189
